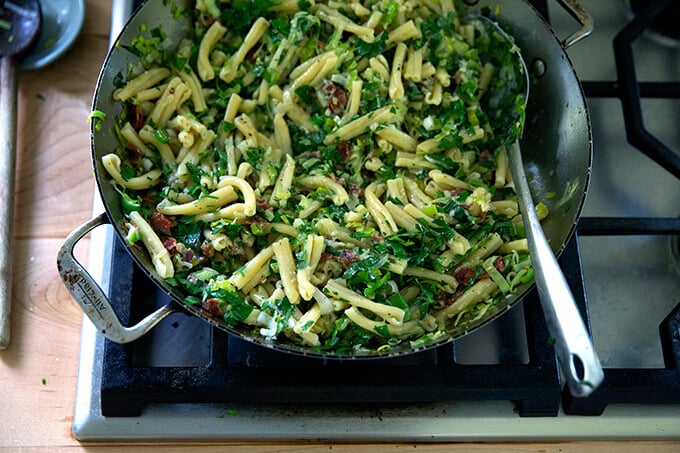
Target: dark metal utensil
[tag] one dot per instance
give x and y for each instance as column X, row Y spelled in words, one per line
column 579, row 362
column 20, row 22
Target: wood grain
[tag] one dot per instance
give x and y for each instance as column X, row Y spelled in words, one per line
column 55, row 191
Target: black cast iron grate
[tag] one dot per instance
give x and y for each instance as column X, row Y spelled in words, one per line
column 240, row 372
column 635, row 385
column 623, row 385
column 629, row 90
column 534, row 386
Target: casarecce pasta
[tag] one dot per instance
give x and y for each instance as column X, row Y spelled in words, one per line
column 322, row 172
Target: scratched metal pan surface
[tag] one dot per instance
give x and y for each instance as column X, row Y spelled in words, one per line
column 556, row 146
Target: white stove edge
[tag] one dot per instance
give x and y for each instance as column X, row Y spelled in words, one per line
column 473, row 421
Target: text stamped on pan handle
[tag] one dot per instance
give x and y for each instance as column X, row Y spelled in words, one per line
column 92, row 299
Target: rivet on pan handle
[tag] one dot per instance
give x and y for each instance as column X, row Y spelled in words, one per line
column 578, row 12
column 92, row 299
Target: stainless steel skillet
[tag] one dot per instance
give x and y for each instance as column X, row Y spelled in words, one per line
column 557, row 147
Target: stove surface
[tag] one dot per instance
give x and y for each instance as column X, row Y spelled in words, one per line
column 495, row 420
column 632, row 284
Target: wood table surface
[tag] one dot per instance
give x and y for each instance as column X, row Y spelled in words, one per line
column 54, row 194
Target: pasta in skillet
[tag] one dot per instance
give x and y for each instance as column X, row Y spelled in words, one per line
column 322, row 172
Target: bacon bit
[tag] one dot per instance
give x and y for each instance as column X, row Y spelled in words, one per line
column 188, row 255
column 499, row 265
column 162, row 222
column 250, row 56
column 170, row 244
column 207, row 20
column 335, row 178
column 355, row 189
column 485, row 156
column 345, row 259
column 213, row 307
column 133, row 153
column 442, row 297
column 337, row 97
column 449, row 299
column 464, row 275
column 262, row 204
column 234, row 250
column 148, row 197
column 348, row 257
column 207, row 249
column 135, row 116
column 345, row 150
column 458, row 77
column 257, row 219
column 325, row 256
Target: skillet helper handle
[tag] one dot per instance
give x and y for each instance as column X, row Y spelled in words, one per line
column 8, row 140
column 577, row 11
column 579, row 362
column 92, row 299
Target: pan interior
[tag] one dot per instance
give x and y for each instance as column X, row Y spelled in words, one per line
column 556, row 146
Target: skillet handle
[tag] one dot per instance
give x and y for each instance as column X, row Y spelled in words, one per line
column 92, row 299
column 583, row 17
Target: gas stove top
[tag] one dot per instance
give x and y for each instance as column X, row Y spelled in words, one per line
column 189, row 381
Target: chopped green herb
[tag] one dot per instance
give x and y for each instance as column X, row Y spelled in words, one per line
column 162, row 135
column 96, row 117
column 402, row 179
column 134, row 235
column 130, row 203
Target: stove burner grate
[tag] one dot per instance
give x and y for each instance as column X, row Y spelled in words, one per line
column 622, row 385
column 238, row 371
column 633, row 385
column 636, row 132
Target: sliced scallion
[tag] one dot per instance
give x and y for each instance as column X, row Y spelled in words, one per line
column 496, row 276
